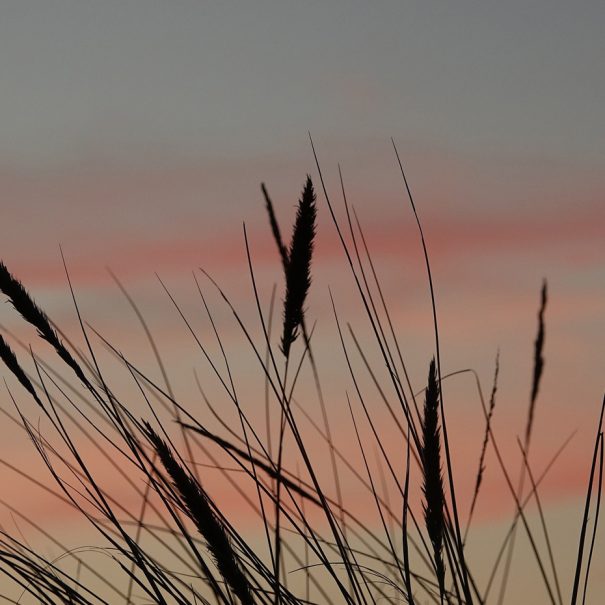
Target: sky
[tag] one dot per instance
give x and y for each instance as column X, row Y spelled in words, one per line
column 135, row 135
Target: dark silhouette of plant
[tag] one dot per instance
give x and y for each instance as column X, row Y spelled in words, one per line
column 180, row 546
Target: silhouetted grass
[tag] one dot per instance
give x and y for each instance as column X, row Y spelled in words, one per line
column 195, row 502
column 432, row 480
column 180, row 546
column 298, row 267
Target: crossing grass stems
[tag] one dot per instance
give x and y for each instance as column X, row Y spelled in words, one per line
column 199, row 555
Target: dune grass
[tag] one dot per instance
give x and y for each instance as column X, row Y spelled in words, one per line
column 180, row 546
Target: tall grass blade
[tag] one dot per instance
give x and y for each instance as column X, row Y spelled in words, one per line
column 448, row 458
column 596, row 520
column 275, row 230
column 576, row 583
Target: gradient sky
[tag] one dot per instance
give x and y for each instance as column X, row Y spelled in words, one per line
column 136, row 134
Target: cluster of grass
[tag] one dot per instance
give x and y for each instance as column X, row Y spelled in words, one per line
column 181, row 547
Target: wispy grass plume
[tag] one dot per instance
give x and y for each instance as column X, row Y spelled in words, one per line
column 10, row 359
column 298, row 271
column 199, row 510
column 434, row 499
column 30, row 311
column 488, row 422
column 538, row 362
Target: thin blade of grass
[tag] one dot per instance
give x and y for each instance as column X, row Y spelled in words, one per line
column 576, row 583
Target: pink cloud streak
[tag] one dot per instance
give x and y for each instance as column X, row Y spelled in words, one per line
column 573, row 238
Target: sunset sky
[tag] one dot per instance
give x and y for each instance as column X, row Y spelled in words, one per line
column 135, row 135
